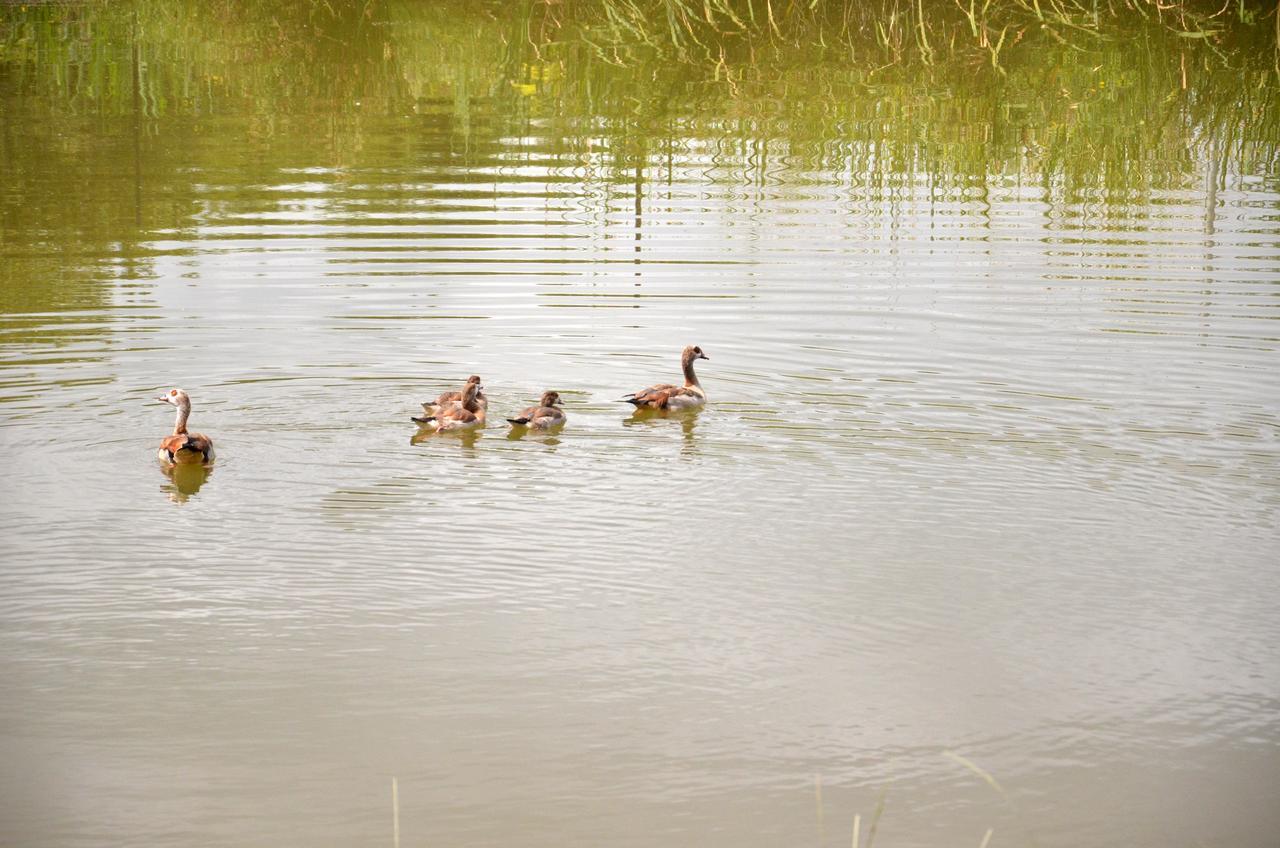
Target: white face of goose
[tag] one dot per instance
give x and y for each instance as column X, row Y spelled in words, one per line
column 173, row 397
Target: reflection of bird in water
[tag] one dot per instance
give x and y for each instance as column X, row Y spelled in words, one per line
column 543, row 437
column 666, row 396
column 431, row 407
column 183, row 448
column 644, row 416
column 686, row 427
column 464, row 438
column 544, row 416
column 186, row 479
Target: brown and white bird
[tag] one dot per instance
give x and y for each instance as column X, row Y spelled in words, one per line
column 431, row 407
column 183, row 447
column 466, row 414
column 544, row 416
column 665, row 396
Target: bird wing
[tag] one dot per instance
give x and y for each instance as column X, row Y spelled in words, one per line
column 199, row 442
column 457, row 413
column 545, row 416
column 194, row 442
column 175, row 443
column 657, row 396
column 445, row 398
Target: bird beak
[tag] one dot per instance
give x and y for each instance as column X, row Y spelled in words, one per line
column 163, row 398
column 704, row 356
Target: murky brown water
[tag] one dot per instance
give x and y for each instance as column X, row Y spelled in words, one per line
column 991, row 464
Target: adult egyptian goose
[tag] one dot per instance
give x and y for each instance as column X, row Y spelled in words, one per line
column 183, row 448
column 544, row 416
column 467, row 414
column 665, row 396
column 431, row 407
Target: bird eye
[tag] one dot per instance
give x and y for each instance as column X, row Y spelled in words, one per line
column 173, row 392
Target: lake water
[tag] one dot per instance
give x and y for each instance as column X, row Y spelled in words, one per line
column 989, row 473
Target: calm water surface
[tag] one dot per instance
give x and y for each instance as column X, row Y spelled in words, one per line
column 991, row 463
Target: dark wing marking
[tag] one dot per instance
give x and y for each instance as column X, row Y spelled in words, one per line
column 525, row 416
column 199, row 442
column 190, row 442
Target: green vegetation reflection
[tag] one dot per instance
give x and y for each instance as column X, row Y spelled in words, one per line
column 1110, row 105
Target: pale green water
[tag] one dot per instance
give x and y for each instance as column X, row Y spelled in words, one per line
column 991, row 463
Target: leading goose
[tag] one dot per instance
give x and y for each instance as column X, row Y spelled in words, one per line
column 665, row 396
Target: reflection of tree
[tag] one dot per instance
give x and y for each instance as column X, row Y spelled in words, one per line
column 110, row 108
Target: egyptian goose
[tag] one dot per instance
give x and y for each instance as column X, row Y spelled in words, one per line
column 665, row 396
column 431, row 407
column 467, row 414
column 544, row 416
column 183, row 448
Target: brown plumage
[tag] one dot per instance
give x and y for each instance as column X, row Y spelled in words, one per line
column 543, row 416
column 431, row 407
column 183, row 448
column 468, row 414
column 667, row 396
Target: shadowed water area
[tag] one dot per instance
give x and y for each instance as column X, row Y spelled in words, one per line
column 979, row 523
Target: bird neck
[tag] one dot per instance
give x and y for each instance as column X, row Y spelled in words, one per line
column 180, row 421
column 690, row 378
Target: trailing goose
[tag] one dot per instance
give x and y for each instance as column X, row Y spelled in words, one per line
column 183, row 447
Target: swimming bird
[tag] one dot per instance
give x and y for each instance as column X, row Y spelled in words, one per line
column 543, row 416
column 665, row 396
column 467, row 414
column 183, row 448
column 431, row 407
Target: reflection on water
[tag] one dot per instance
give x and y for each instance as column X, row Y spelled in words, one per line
column 464, row 438
column 550, row 437
column 185, row 480
column 686, row 418
column 990, row 463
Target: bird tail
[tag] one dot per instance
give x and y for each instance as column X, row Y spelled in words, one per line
column 632, row 399
column 424, row 419
column 517, row 420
